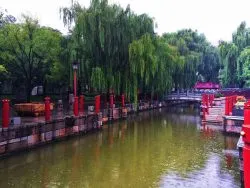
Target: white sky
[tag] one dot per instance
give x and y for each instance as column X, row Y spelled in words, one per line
column 217, row 19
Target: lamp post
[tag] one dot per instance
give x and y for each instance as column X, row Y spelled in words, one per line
column 75, row 68
column 76, row 107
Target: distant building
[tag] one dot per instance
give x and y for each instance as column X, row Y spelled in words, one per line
column 207, row 86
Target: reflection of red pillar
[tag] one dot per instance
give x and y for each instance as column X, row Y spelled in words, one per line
column 47, row 109
column 97, row 103
column 123, row 100
column 246, row 149
column 111, row 101
column 76, row 107
column 229, row 160
column 5, row 113
column 81, row 104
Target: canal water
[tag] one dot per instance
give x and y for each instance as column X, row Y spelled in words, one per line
column 160, row 148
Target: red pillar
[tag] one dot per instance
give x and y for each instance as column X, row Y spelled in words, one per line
column 235, row 99
column 81, row 103
column 75, row 83
column 204, row 112
column 97, row 103
column 226, row 106
column 204, row 108
column 230, row 105
column 47, row 109
column 76, row 107
column 111, row 101
column 246, row 149
column 123, row 100
column 5, row 113
column 211, row 99
column 207, row 102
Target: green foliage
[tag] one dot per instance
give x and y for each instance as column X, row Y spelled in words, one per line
column 234, row 57
column 200, row 58
column 98, row 79
column 28, row 51
column 245, row 59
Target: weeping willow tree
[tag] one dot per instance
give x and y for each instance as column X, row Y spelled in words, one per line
column 101, row 37
column 229, row 55
column 234, row 56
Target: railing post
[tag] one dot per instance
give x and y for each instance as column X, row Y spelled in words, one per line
column 5, row 113
column 246, row 149
column 47, row 109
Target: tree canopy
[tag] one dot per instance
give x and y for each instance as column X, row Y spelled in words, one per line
column 29, row 51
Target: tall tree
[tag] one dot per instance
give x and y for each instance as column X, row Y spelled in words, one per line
column 29, row 51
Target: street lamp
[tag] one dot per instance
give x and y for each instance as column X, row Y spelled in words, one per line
column 75, row 68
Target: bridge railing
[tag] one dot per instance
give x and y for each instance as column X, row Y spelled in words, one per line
column 184, row 96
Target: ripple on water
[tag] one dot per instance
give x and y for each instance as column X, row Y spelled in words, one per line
column 208, row 177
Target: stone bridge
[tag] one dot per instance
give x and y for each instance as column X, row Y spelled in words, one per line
column 188, row 97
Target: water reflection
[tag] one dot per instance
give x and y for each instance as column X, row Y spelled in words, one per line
column 157, row 148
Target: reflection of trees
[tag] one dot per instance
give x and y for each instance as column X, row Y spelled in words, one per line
column 133, row 153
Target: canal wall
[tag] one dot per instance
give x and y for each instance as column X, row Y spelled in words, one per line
column 27, row 136
column 14, row 139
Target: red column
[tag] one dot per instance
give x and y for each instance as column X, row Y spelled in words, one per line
column 207, row 102
column 203, row 102
column 212, row 99
column 246, row 149
column 111, row 101
column 5, row 113
column 123, row 100
column 75, row 83
column 47, row 109
column 204, row 113
column 231, row 104
column 235, row 99
column 76, row 107
column 81, row 103
column 226, row 106
column 97, row 103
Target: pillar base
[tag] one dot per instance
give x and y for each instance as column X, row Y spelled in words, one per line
column 246, row 163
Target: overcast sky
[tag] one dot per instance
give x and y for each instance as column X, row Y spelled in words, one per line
column 217, row 19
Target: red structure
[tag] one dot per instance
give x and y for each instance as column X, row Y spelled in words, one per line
column 5, row 113
column 211, row 99
column 111, row 101
column 75, row 68
column 206, row 85
column 81, row 104
column 246, row 149
column 47, row 109
column 204, row 106
column 97, row 103
column 123, row 100
column 230, row 105
column 76, row 106
column 227, row 106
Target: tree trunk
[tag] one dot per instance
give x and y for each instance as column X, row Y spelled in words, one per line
column 28, row 90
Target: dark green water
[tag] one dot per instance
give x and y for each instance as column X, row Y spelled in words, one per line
column 160, row 148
